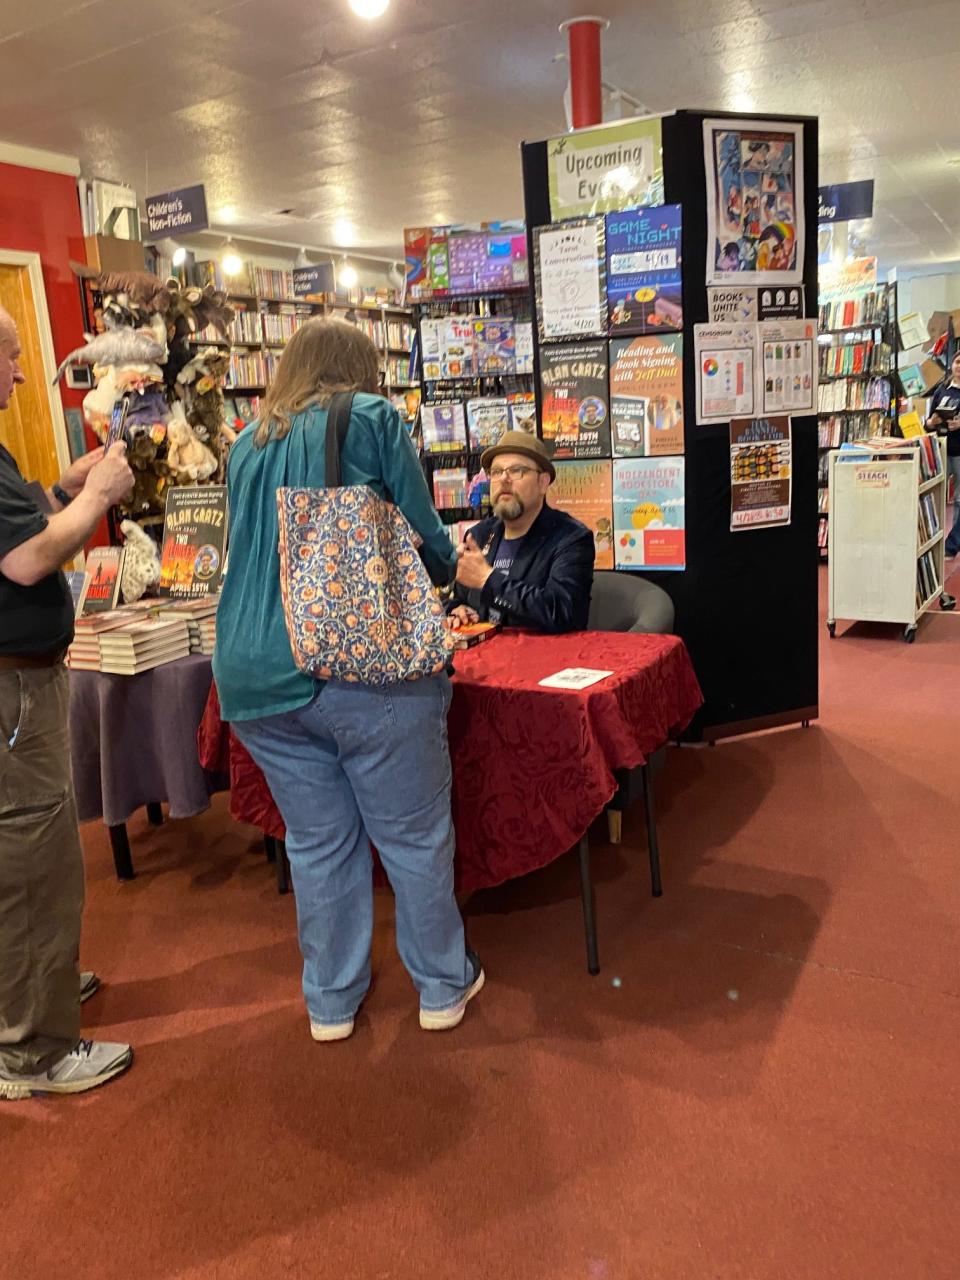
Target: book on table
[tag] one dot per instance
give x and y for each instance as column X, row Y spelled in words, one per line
column 474, row 633
column 144, row 644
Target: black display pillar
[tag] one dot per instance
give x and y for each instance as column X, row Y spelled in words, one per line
column 746, row 605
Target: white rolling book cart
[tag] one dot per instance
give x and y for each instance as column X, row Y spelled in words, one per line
column 886, row 535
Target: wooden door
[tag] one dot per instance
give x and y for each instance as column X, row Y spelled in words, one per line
column 26, row 427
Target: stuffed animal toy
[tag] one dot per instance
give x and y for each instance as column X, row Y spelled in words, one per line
column 187, row 458
column 116, row 346
column 141, row 562
column 141, row 287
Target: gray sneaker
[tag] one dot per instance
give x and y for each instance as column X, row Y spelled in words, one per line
column 88, row 1065
column 89, row 986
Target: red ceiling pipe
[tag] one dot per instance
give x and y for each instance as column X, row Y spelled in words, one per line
column 586, row 89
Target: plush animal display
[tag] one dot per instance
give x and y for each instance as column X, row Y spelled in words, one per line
column 116, row 346
column 188, row 458
column 141, row 562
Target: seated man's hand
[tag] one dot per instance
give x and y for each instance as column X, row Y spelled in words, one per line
column 462, row 616
column 472, row 567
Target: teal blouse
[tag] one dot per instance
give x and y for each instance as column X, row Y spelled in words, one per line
column 252, row 663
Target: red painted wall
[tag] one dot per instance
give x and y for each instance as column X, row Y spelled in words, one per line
column 40, row 213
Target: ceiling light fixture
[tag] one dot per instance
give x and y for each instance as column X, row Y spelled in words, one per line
column 347, row 275
column 179, row 256
column 302, row 259
column 231, row 261
column 369, row 9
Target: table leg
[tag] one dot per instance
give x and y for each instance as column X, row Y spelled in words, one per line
column 589, row 907
column 283, row 868
column 270, row 847
column 155, row 814
column 652, row 843
column 615, row 825
column 120, row 844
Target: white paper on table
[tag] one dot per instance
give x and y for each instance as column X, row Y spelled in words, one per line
column 574, row 678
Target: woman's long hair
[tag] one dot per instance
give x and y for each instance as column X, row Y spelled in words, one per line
column 322, row 357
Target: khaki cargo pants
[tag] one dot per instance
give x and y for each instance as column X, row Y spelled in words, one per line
column 41, row 873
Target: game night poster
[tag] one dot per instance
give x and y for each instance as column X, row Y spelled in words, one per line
column 644, row 289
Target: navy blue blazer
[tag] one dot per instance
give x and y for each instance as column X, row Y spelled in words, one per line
column 548, row 586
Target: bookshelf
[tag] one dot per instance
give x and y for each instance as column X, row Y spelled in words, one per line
column 887, row 531
column 857, row 392
column 470, row 393
column 269, row 314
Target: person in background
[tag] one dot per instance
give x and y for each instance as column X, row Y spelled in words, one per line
column 527, row 565
column 347, row 763
column 41, row 861
column 944, row 418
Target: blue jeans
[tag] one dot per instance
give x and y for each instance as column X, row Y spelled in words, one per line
column 953, row 537
column 358, row 762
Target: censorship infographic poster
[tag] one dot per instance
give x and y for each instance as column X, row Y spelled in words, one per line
column 755, row 211
column 726, row 375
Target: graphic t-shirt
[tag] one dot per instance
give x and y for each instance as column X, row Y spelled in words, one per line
column 506, row 554
column 39, row 618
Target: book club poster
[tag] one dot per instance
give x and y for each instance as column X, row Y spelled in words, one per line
column 644, row 290
column 761, row 472
column 585, row 491
column 649, row 513
column 574, row 400
column 194, row 540
column 646, row 396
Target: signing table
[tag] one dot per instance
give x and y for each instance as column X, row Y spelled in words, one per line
column 532, row 766
column 134, row 744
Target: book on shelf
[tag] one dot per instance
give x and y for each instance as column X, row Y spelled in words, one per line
column 839, row 428
column 245, row 326
column 869, row 307
column 835, row 397
column 929, row 521
column 496, row 346
column 523, row 341
column 523, row 411
column 488, row 418
column 854, row 358
column 270, row 283
column 443, row 426
column 450, row 488
column 247, row 369
column 928, row 580
column 822, row 534
column 280, row 326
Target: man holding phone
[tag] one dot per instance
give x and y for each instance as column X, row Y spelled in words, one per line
column 41, row 863
column 944, row 418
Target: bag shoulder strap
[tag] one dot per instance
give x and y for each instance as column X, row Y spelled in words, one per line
column 338, row 420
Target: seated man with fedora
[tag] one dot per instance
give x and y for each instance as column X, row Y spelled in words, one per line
column 526, row 565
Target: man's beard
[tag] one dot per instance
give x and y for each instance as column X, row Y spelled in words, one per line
column 508, row 507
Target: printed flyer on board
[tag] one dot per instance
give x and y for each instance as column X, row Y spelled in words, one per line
column 646, row 395
column 649, row 513
column 574, row 397
column 585, row 490
column 761, row 472
column 569, row 267
column 788, row 366
column 644, row 286
column 755, row 211
column 603, row 170
column 726, row 375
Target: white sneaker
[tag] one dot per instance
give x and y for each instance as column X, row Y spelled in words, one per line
column 89, row 986
column 327, row 1031
column 447, row 1019
column 88, row 1065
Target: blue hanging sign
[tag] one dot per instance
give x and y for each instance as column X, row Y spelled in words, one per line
column 310, row 280
column 846, row 201
column 176, row 213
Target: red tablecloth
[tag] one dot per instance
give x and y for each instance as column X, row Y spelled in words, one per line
column 532, row 767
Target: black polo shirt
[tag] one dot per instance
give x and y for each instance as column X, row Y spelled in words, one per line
column 34, row 619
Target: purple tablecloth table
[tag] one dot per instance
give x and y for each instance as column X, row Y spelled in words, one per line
column 134, row 744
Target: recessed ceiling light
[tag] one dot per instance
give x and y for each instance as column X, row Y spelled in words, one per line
column 344, row 232
column 369, row 9
column 228, row 213
column 347, row 276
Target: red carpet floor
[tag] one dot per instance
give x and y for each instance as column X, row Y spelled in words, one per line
column 762, row 1084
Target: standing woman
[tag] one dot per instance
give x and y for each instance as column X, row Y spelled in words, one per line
column 944, row 417
column 346, row 763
